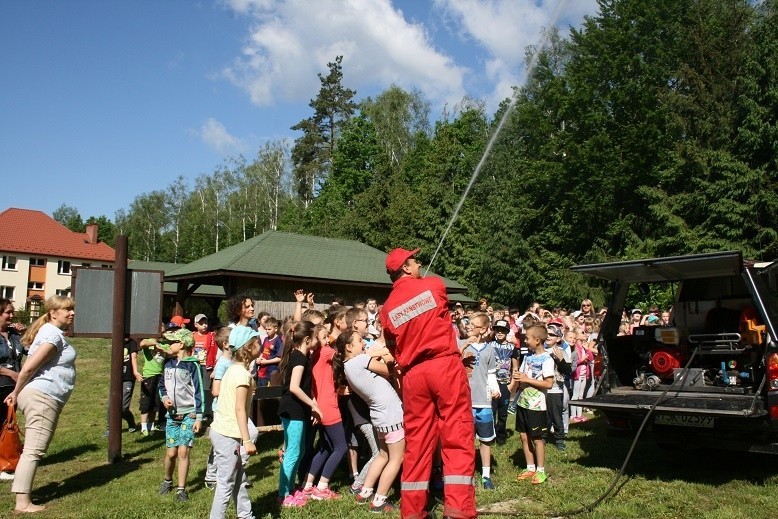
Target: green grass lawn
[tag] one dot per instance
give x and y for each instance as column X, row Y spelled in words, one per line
column 75, row 480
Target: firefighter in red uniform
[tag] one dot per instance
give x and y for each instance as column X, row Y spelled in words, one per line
column 435, row 391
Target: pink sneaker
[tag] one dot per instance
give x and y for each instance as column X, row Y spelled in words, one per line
column 324, row 494
column 293, row 501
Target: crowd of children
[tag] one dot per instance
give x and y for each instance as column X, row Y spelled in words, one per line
column 339, row 382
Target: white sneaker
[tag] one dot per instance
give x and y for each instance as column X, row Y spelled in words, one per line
column 6, row 476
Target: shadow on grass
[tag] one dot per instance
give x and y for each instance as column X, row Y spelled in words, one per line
column 132, row 459
column 652, row 462
column 68, row 454
column 90, row 478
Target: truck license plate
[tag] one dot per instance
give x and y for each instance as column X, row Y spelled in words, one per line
column 684, row 420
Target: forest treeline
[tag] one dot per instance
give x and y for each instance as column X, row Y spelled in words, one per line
column 650, row 130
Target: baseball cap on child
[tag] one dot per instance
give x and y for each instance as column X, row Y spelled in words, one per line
column 178, row 320
column 181, row 335
column 557, row 321
column 240, row 336
column 502, row 324
column 200, row 317
column 555, row 330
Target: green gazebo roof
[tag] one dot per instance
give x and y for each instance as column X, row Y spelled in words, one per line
column 278, row 254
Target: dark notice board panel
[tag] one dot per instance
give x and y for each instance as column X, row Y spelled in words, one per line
column 93, row 292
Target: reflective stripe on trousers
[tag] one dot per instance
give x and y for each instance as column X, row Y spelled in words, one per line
column 438, row 408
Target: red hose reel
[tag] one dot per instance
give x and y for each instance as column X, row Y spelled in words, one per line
column 665, row 360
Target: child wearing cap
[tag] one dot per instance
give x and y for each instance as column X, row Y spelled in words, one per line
column 230, row 432
column 503, row 351
column 182, row 395
column 556, row 406
column 152, row 412
column 205, row 349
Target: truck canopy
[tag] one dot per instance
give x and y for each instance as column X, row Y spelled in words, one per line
column 667, row 269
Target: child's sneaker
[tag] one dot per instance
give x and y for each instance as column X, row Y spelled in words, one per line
column 385, row 507
column 144, row 432
column 361, row 500
column 181, row 495
column 292, row 501
column 210, row 485
column 354, row 491
column 306, row 492
column 165, row 487
column 487, row 483
column 539, row 478
column 323, row 494
column 525, row 474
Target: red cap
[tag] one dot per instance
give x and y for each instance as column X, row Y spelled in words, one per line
column 396, row 259
column 178, row 320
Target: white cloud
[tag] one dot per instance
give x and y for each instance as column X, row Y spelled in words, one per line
column 290, row 41
column 505, row 28
column 293, row 40
column 215, row 135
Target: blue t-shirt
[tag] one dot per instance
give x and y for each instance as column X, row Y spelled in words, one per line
column 222, row 365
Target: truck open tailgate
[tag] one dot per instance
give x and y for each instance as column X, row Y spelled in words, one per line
column 628, row 399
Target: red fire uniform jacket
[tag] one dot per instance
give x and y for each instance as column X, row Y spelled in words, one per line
column 416, row 316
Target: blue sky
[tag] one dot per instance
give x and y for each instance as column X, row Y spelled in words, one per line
column 101, row 101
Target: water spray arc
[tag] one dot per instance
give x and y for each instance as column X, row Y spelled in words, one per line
column 477, row 171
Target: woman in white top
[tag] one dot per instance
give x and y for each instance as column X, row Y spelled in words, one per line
column 42, row 389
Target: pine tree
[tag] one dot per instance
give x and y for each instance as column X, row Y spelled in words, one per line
column 312, row 152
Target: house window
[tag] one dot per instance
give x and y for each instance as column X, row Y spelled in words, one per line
column 37, row 262
column 65, row 292
column 7, row 292
column 105, row 266
column 35, row 285
column 9, row 262
column 63, row 267
column 86, row 265
column 34, row 304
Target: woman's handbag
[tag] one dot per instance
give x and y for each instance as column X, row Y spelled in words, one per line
column 10, row 442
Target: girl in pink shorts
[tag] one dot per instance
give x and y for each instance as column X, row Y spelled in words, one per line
column 367, row 376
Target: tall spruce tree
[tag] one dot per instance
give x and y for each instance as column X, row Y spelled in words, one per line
column 312, row 152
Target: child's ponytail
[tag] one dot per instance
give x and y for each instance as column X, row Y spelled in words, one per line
column 338, row 361
column 294, row 338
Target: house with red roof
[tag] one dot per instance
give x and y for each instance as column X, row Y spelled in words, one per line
column 38, row 254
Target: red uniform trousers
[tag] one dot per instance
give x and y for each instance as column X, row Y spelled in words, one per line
column 437, row 406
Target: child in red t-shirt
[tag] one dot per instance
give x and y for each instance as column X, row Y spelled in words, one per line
column 205, row 349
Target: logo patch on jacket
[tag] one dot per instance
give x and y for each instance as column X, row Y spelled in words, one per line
column 420, row 304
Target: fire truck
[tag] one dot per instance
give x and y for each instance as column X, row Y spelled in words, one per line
column 710, row 377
